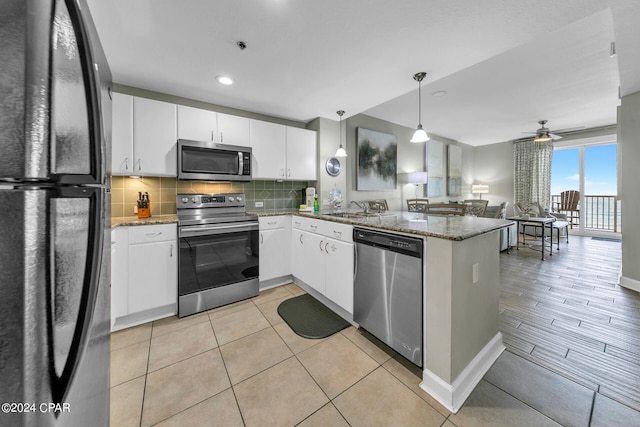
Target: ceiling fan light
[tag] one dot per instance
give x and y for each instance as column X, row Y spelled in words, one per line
column 420, row 135
column 542, row 138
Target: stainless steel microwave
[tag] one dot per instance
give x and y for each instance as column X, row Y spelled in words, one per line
column 209, row 161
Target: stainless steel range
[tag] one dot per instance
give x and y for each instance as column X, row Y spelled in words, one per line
column 218, row 258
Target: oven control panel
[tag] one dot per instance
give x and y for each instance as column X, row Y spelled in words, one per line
column 187, row 201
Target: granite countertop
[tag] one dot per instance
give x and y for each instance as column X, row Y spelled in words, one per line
column 152, row 220
column 444, row 227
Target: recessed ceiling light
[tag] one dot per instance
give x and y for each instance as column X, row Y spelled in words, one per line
column 439, row 93
column 224, row 80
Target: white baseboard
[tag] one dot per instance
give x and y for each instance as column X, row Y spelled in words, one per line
column 629, row 283
column 452, row 396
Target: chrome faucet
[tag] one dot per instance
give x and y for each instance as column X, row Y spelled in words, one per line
column 364, row 206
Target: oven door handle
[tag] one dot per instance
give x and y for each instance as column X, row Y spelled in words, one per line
column 206, row 230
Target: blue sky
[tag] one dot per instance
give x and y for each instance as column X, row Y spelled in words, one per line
column 599, row 170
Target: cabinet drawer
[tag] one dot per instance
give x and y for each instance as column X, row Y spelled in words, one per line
column 315, row 226
column 152, row 233
column 299, row 222
column 342, row 232
column 273, row 222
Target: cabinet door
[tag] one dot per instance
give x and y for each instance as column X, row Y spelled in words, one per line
column 153, row 271
column 268, row 150
column 197, row 124
column 274, row 253
column 154, row 137
column 122, row 135
column 234, row 130
column 308, row 259
column 119, row 270
column 339, row 259
column 301, row 154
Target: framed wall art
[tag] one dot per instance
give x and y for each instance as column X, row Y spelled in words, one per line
column 377, row 160
column 454, row 171
column 434, row 162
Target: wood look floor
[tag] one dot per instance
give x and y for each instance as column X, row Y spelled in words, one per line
column 568, row 314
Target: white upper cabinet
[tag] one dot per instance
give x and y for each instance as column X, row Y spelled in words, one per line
column 268, row 145
column 122, row 135
column 204, row 125
column 197, row 124
column 301, row 154
column 283, row 152
column 154, row 137
column 234, row 130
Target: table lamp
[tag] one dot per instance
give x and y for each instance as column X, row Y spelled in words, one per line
column 417, row 178
column 480, row 189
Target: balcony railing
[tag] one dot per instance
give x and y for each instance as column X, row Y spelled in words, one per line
column 599, row 213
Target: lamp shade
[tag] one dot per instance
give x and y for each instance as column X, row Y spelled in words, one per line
column 417, row 178
column 340, row 152
column 420, row 135
column 479, row 189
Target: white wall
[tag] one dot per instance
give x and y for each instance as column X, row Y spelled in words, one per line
column 493, row 165
column 629, row 147
column 411, row 158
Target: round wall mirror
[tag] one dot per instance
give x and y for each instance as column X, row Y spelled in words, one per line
column 333, row 166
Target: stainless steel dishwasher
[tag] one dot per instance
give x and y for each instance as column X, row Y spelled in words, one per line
column 388, row 290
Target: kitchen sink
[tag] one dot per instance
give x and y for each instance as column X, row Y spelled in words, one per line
column 352, row 215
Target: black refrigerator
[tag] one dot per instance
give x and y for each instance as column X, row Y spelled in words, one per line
column 55, row 142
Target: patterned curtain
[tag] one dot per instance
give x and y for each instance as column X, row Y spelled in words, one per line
column 532, row 172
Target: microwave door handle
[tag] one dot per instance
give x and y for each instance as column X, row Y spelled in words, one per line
column 240, row 163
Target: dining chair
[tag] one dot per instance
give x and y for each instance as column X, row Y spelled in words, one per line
column 417, row 205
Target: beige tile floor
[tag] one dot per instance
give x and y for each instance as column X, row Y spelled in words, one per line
column 242, row 365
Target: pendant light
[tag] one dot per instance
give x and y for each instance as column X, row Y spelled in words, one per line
column 420, row 135
column 340, row 152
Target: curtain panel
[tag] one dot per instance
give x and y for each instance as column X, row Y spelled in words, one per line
column 532, row 172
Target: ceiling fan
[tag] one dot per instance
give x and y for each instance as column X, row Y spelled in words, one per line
column 544, row 134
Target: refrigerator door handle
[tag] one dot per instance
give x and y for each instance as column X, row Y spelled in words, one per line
column 61, row 384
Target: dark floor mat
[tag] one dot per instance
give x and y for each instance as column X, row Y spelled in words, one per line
column 309, row 318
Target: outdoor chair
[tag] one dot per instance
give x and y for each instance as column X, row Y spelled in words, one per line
column 569, row 205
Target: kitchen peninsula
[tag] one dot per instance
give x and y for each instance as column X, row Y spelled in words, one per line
column 460, row 294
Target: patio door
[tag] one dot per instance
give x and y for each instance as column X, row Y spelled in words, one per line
column 590, row 169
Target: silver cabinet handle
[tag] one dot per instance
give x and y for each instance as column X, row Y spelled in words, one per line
column 126, row 163
column 221, row 137
column 261, row 238
column 139, row 164
column 325, row 247
column 272, row 222
column 315, row 227
column 321, row 241
column 288, row 172
column 337, row 233
column 171, row 251
column 153, row 234
column 282, row 172
column 212, row 137
column 301, row 242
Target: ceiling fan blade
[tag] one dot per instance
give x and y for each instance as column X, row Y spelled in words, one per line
column 554, row 136
column 569, row 129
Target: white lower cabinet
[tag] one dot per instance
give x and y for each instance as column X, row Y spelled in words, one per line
column 323, row 258
column 339, row 259
column 144, row 274
column 275, row 247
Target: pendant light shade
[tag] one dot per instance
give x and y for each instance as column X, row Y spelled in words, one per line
column 420, row 135
column 340, row 152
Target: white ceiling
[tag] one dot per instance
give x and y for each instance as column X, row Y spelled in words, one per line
column 504, row 64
